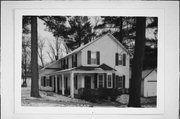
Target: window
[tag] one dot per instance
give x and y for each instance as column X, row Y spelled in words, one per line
column 109, row 81
column 47, row 81
column 119, row 82
column 101, row 81
column 93, row 57
column 120, row 59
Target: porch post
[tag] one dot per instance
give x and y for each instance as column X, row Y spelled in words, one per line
column 62, row 78
column 56, row 84
column 72, row 84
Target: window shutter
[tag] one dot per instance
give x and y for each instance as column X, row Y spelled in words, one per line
column 89, row 57
column 124, row 59
column 116, row 58
column 98, row 57
column 123, row 81
column 67, row 62
column 105, row 82
column 72, row 61
column 61, row 65
column 75, row 60
column 95, row 81
column 44, row 81
column 114, row 80
column 50, row 81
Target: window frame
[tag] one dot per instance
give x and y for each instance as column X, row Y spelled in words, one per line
column 93, row 60
column 98, row 86
column 120, row 79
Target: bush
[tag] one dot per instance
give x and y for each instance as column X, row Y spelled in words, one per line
column 95, row 95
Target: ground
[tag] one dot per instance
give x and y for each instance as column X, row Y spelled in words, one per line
column 53, row 99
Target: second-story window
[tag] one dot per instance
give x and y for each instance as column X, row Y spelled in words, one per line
column 120, row 59
column 93, row 57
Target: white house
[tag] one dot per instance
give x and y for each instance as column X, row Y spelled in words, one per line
column 102, row 63
column 149, row 83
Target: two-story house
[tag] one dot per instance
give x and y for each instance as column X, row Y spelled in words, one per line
column 102, row 63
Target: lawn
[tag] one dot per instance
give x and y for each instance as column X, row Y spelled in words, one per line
column 53, row 99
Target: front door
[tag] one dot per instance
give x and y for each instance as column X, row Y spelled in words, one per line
column 87, row 82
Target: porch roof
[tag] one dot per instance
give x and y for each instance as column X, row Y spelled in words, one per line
column 90, row 68
column 86, row 69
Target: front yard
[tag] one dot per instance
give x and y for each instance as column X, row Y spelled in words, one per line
column 53, row 99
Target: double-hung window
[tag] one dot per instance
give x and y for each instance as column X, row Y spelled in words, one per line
column 100, row 81
column 120, row 59
column 119, row 82
column 93, row 58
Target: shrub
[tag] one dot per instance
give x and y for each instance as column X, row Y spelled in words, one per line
column 95, row 95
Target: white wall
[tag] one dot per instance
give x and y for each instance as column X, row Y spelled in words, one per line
column 150, row 88
column 108, row 48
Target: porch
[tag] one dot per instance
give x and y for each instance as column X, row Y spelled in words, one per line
column 68, row 82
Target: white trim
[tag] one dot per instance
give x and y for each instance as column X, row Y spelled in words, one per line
column 107, row 81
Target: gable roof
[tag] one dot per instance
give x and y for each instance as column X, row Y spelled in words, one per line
column 86, row 45
column 147, row 72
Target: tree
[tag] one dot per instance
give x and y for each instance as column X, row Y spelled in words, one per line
column 75, row 30
column 41, row 44
column 135, row 82
column 34, row 58
column 55, row 49
column 25, row 59
column 79, row 31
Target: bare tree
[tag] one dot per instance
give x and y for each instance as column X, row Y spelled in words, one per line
column 56, row 50
column 41, row 45
column 25, row 58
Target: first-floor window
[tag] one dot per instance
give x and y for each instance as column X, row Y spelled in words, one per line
column 50, row 81
column 101, row 81
column 47, row 81
column 109, row 81
column 119, row 82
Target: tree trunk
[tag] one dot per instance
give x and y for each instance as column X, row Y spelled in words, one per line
column 135, row 82
column 34, row 59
